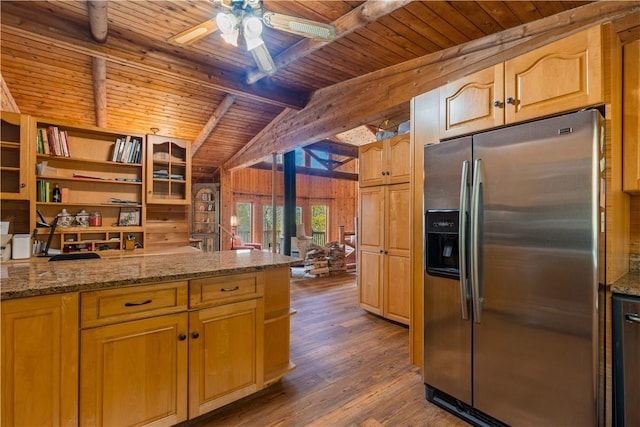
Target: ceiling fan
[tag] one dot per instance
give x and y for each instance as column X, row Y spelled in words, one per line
column 247, row 17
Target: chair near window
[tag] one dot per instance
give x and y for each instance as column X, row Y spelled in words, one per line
column 237, row 243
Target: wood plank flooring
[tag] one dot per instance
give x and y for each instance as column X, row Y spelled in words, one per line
column 352, row 369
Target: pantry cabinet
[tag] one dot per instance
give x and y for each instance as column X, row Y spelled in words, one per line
column 40, row 361
column 384, row 254
column 631, row 118
column 385, row 162
column 561, row 76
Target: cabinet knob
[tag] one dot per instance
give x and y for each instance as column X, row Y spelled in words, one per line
column 511, row 101
column 22, row 185
column 381, row 251
column 195, row 335
column 497, row 104
column 182, row 337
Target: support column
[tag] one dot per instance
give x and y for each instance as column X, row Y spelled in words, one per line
column 289, row 209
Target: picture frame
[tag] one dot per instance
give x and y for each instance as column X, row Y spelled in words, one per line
column 129, row 217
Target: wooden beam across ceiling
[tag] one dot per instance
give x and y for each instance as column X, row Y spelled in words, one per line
column 340, row 107
column 213, row 121
column 301, row 170
column 55, row 32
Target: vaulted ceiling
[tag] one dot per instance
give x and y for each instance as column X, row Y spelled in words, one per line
column 127, row 76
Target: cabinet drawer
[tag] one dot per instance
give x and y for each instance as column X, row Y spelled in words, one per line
column 224, row 289
column 117, row 305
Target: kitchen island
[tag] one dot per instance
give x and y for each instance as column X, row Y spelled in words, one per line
column 141, row 339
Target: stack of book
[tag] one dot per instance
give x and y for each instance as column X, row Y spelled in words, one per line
column 127, row 149
column 53, row 141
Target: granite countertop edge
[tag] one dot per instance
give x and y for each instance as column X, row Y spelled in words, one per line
column 629, row 284
column 29, row 279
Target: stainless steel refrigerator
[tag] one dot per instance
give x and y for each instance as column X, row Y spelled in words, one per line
column 513, row 220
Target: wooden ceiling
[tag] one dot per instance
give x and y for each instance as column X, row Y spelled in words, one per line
column 53, row 67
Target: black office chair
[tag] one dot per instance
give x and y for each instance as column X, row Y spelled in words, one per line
column 78, row 255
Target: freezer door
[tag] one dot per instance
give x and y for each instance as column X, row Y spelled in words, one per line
column 447, row 335
column 535, row 346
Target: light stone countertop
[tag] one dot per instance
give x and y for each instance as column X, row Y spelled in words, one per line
column 629, row 284
column 25, row 279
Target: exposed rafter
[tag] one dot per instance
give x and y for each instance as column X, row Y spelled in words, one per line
column 301, row 170
column 98, row 20
column 213, row 121
column 7, row 103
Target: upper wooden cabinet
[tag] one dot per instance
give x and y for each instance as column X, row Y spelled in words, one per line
column 168, row 170
column 561, row 76
column 631, row 119
column 385, row 162
column 14, row 156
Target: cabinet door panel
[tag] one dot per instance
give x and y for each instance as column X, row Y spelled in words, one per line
column 399, row 151
column 39, row 361
column 134, row 373
column 371, row 220
column 561, row 76
column 370, row 280
column 397, row 292
column 467, row 104
column 372, row 164
column 225, row 354
column 398, row 219
column 14, row 156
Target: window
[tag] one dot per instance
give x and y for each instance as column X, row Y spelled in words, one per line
column 319, row 224
column 267, row 224
column 243, row 212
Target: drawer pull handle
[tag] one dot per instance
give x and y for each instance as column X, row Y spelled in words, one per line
column 235, row 288
column 632, row 317
column 133, row 304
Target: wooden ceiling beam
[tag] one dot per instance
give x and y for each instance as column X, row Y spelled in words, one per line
column 337, row 108
column 366, row 13
column 99, row 68
column 98, row 20
column 213, row 121
column 52, row 31
column 301, row 170
column 332, row 147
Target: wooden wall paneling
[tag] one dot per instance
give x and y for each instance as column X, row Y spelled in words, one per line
column 226, row 207
column 167, row 226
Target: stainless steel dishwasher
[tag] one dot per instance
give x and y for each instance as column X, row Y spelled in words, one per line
column 626, row 353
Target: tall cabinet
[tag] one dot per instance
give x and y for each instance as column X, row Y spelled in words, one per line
column 384, row 255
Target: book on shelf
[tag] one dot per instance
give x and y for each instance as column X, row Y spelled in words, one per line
column 127, row 149
column 43, row 191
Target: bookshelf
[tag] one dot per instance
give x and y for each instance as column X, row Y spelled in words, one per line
column 93, row 178
column 205, row 215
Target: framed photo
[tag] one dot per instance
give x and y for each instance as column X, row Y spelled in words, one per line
column 129, row 216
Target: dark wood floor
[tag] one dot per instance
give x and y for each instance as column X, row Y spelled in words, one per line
column 352, row 369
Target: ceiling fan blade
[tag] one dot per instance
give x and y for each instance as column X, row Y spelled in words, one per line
column 195, row 33
column 300, row 26
column 263, row 59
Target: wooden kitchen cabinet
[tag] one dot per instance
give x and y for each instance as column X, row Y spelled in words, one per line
column 385, row 162
column 277, row 316
column 384, row 254
column 40, row 361
column 168, row 170
column 562, row 76
column 225, row 354
column 14, row 156
column 631, row 118
column 134, row 365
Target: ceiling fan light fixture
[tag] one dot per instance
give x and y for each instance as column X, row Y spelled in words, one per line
column 228, row 25
column 300, row 26
column 263, row 59
column 252, row 29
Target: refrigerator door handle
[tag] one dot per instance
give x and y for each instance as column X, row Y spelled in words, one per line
column 474, row 241
column 462, row 238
